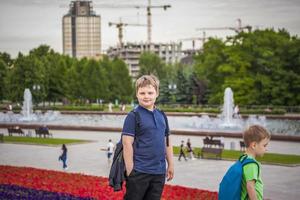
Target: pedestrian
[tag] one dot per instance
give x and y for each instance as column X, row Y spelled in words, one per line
column 145, row 158
column 110, row 150
column 236, row 111
column 63, row 156
column 182, row 153
column 256, row 139
column 110, row 107
column 190, row 149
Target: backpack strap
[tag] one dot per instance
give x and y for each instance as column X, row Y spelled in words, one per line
column 137, row 126
column 245, row 161
column 137, row 122
column 167, row 133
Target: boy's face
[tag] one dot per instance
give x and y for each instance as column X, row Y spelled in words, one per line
column 260, row 148
column 147, row 96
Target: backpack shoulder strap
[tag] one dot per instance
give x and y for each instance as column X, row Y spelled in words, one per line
column 167, row 133
column 137, row 122
column 247, row 161
column 137, row 127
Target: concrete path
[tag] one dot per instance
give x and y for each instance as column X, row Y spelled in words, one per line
column 280, row 182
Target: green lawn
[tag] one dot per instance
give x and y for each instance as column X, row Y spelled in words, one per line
column 268, row 158
column 41, row 141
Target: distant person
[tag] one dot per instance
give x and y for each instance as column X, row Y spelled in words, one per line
column 256, row 139
column 236, row 111
column 123, row 107
column 110, row 107
column 63, row 156
column 181, row 153
column 9, row 107
column 190, row 149
column 145, row 156
column 110, row 150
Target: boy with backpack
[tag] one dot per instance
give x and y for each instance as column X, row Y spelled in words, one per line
column 145, row 155
column 243, row 179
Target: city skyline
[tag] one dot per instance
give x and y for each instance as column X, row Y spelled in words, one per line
column 25, row 25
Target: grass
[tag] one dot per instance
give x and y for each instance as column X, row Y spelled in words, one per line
column 41, row 141
column 268, row 158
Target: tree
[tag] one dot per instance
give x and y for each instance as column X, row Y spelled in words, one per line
column 262, row 67
column 27, row 71
column 3, row 74
column 120, row 83
column 150, row 63
column 56, row 76
column 95, row 83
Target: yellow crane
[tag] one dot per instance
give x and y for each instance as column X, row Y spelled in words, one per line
column 120, row 26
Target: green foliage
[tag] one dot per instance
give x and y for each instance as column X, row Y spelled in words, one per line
column 41, row 141
column 120, row 83
column 261, row 67
column 268, row 158
column 151, row 63
column 3, row 74
column 52, row 77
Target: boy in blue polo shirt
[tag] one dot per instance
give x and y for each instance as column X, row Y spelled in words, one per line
column 145, row 163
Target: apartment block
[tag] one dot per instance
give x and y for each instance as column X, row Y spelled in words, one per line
column 130, row 53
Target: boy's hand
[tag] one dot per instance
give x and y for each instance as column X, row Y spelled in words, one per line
column 170, row 173
column 129, row 170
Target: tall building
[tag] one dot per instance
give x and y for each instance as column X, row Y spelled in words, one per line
column 81, row 31
column 130, row 54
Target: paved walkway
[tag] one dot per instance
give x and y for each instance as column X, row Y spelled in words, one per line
column 280, row 182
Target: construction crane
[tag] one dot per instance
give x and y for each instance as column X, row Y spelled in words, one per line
column 149, row 22
column 120, row 26
column 149, row 14
column 237, row 29
column 193, row 39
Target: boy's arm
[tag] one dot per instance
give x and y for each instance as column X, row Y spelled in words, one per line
column 127, row 142
column 251, row 190
column 169, row 157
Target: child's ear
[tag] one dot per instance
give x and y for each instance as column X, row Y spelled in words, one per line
column 252, row 145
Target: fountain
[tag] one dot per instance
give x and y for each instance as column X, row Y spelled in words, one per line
column 27, row 113
column 224, row 122
column 227, row 113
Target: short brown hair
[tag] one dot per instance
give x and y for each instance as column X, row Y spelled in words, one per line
column 255, row 133
column 147, row 80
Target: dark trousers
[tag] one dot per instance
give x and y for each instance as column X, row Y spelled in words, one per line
column 141, row 186
column 181, row 154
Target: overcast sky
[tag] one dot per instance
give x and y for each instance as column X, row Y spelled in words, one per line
column 25, row 24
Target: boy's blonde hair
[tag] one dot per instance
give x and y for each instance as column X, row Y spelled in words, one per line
column 255, row 133
column 147, row 80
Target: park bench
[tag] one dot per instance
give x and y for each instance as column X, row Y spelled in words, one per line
column 216, row 152
column 211, row 142
column 242, row 146
column 42, row 132
column 13, row 130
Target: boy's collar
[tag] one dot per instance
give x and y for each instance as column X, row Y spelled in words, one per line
column 154, row 108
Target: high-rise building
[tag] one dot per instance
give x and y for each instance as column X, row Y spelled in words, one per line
column 81, row 31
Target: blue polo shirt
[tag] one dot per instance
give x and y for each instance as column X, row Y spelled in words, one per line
column 150, row 153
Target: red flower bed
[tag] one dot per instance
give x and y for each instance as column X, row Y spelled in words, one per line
column 83, row 185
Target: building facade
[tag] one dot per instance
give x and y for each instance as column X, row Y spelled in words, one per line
column 130, row 54
column 81, row 31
